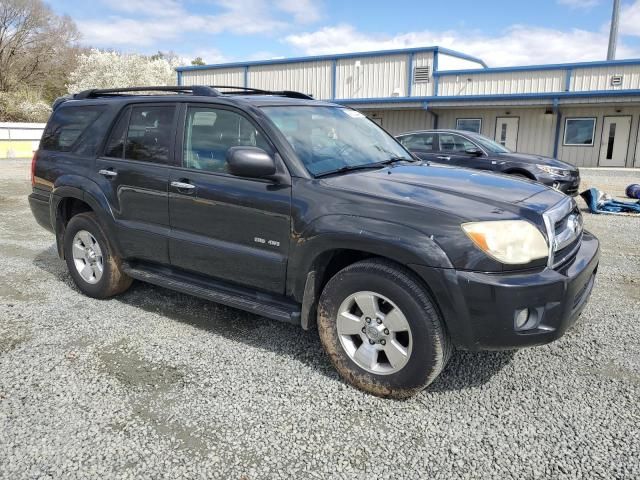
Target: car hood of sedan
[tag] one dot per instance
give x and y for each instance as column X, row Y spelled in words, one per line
column 536, row 159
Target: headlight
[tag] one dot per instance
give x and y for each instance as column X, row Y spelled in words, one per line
column 512, row 242
column 558, row 172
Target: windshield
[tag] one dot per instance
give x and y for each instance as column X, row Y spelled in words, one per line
column 488, row 144
column 327, row 138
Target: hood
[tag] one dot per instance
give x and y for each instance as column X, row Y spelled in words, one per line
column 463, row 192
column 538, row 159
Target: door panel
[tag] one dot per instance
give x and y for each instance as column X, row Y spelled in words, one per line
column 227, row 227
column 136, row 186
column 453, row 146
column 507, row 132
column 615, row 141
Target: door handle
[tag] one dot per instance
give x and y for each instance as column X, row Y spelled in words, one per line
column 183, row 185
column 443, row 157
column 108, row 173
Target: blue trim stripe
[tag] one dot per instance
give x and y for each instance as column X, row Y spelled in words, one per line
column 567, row 79
column 556, row 142
column 436, row 83
column 410, row 74
column 334, row 78
column 553, row 66
column 479, row 98
column 318, row 58
column 463, row 56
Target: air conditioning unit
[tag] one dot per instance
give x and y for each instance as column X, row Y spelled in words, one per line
column 422, row 74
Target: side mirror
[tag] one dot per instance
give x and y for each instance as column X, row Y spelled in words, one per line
column 250, row 162
column 473, row 151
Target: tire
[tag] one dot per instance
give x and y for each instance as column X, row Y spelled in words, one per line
column 397, row 293
column 103, row 277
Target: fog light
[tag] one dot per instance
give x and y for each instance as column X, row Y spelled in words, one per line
column 522, row 317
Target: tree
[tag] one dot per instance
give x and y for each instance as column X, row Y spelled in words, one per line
column 109, row 69
column 37, row 47
column 197, row 61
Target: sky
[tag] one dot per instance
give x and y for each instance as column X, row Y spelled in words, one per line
column 503, row 33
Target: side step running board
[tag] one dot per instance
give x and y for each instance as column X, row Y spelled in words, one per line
column 263, row 304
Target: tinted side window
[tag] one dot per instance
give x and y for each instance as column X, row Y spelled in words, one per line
column 67, row 125
column 115, row 145
column 150, row 133
column 454, row 143
column 210, row 132
column 422, row 141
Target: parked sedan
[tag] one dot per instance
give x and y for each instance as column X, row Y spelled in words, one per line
column 467, row 149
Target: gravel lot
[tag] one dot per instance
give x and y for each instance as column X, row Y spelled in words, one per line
column 156, row 384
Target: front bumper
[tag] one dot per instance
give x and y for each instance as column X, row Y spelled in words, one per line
column 569, row 185
column 479, row 308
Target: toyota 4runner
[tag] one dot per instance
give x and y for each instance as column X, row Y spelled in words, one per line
column 308, row 212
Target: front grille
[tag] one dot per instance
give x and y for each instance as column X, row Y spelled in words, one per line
column 564, row 228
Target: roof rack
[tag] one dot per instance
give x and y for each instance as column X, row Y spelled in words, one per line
column 257, row 91
column 199, row 90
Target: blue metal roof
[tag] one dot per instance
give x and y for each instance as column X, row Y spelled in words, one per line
column 339, row 56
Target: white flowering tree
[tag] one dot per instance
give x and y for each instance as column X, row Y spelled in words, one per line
column 108, row 69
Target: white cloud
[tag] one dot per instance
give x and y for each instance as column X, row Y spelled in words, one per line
column 518, row 45
column 630, row 19
column 581, row 4
column 147, row 22
column 303, row 11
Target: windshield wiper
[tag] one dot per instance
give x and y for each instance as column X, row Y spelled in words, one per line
column 351, row 168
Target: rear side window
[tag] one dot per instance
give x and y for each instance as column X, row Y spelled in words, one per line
column 68, row 127
column 149, row 134
column 422, row 141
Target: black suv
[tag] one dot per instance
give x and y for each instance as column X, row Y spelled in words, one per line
column 308, row 212
column 471, row 150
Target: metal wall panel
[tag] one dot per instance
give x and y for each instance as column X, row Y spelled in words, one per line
column 536, row 129
column 400, row 121
column 423, row 89
column 588, row 156
column 372, row 77
column 584, row 79
column 313, row 78
column 502, row 83
column 221, row 76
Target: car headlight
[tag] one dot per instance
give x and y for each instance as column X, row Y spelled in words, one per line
column 558, row 172
column 513, row 242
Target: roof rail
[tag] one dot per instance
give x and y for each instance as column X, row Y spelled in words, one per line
column 200, row 90
column 257, row 91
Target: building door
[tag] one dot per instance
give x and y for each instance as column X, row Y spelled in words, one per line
column 615, row 141
column 507, row 132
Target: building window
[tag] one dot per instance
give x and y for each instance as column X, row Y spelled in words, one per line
column 469, row 124
column 579, row 131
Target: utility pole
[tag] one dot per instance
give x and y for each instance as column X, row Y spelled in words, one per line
column 613, row 34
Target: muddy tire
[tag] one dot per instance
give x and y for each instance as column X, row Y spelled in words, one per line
column 95, row 269
column 381, row 329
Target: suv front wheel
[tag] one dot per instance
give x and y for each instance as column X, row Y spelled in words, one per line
column 90, row 259
column 381, row 329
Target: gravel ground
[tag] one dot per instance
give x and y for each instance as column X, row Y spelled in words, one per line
column 155, row 384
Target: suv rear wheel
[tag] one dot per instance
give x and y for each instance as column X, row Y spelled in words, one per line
column 381, row 329
column 90, row 259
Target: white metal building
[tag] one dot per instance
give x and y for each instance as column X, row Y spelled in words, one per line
column 585, row 113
